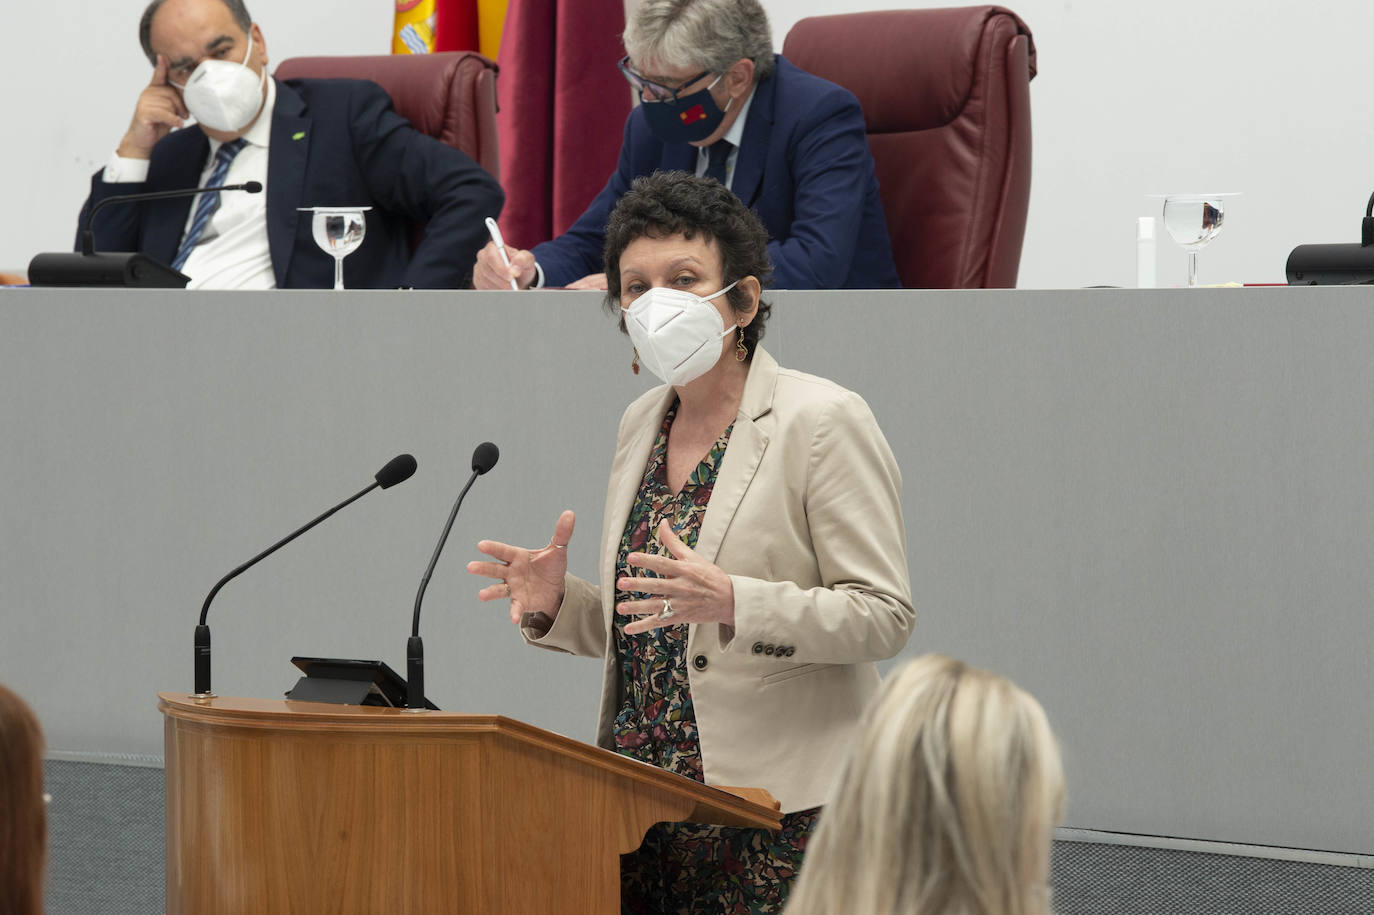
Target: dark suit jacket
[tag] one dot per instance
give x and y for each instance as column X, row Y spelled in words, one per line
column 353, row 150
column 803, row 167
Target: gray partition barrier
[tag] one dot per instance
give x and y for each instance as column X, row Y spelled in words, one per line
column 106, row 834
column 1155, row 510
column 1150, row 875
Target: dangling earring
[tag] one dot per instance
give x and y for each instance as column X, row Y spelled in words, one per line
column 634, row 363
column 741, row 351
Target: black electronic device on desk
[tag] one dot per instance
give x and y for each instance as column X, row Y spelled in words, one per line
column 344, row 681
column 1336, row 265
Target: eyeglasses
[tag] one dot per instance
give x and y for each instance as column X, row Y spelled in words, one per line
column 656, row 91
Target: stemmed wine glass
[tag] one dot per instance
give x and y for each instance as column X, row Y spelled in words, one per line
column 338, row 231
column 1193, row 220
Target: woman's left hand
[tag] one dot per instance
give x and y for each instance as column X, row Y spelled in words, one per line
column 698, row 591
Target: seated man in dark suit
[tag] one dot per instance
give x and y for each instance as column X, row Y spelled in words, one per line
column 718, row 102
column 310, row 143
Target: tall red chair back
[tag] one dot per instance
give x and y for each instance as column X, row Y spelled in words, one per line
column 450, row 96
column 946, row 98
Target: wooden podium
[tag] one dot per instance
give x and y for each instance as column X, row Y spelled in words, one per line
column 300, row 807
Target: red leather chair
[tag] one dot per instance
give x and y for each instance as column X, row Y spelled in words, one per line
column 946, row 98
column 450, row 96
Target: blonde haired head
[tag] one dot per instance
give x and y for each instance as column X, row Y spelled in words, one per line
column 945, row 806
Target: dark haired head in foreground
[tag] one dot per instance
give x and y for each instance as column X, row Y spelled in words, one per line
column 23, row 813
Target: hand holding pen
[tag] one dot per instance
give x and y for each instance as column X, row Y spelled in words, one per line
column 499, row 266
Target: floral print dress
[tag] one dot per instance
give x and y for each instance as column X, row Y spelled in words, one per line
column 685, row 867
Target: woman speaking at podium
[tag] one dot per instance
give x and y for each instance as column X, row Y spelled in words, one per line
column 753, row 561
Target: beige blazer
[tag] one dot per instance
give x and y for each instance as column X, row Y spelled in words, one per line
column 806, row 518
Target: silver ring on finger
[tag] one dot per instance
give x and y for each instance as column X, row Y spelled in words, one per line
column 667, row 612
column 507, row 584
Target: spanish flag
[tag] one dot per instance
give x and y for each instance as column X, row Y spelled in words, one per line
column 425, row 26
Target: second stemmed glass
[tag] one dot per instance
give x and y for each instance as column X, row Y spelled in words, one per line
column 338, row 231
column 1193, row 220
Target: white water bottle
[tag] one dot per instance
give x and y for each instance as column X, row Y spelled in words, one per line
column 1145, row 262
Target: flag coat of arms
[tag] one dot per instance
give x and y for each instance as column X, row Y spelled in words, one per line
column 692, row 115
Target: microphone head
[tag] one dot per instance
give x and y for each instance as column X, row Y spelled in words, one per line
column 484, row 457
column 255, row 187
column 397, row 470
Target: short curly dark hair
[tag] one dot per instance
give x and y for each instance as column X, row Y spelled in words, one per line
column 676, row 203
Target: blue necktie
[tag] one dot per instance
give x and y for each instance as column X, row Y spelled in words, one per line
column 208, row 203
column 719, row 153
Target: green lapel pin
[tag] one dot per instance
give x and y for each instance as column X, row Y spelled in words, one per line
column 298, row 135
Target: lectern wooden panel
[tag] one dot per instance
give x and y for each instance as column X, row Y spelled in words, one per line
column 298, row 807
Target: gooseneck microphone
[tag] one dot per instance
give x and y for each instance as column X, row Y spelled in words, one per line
column 484, row 458
column 397, row 470
column 118, row 269
column 88, row 234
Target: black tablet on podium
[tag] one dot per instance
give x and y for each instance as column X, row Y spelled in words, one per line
column 344, row 681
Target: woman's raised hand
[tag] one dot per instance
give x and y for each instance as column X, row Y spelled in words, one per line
column 532, row 579
column 688, row 589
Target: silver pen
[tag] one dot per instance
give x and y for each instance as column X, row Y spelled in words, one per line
column 495, row 231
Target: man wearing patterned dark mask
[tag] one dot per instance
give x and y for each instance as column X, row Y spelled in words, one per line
column 716, row 101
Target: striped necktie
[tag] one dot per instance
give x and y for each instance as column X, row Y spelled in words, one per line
column 718, row 154
column 207, row 204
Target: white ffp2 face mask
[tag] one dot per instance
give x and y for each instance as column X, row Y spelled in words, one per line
column 677, row 333
column 224, row 95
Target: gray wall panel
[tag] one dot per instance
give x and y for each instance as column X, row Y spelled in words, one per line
column 1153, row 509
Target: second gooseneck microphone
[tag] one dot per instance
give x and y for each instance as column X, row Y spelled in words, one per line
column 484, row 458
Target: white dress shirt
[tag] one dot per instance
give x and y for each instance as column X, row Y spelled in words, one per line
column 232, row 252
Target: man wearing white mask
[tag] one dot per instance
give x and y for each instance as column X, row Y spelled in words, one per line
column 309, row 142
